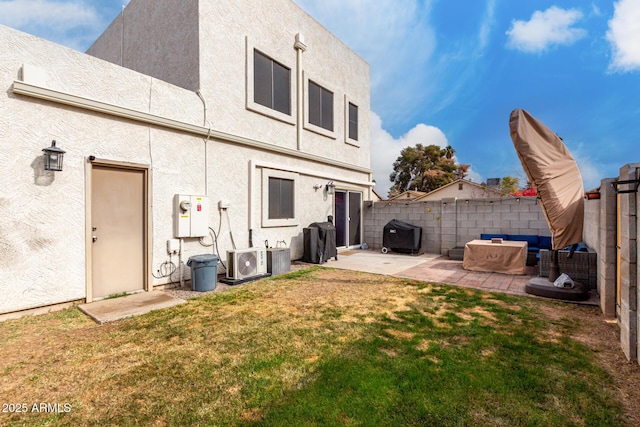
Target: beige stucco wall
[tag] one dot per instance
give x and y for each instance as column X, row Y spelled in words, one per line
column 168, row 30
column 162, row 43
column 43, row 226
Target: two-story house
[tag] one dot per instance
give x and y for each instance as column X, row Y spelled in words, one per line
column 250, row 112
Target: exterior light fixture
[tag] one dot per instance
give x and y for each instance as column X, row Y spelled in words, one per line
column 53, row 157
column 330, row 187
column 317, row 186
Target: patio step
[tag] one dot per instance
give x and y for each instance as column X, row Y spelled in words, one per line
column 456, row 254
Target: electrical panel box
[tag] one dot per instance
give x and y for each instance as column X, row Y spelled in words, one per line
column 190, row 215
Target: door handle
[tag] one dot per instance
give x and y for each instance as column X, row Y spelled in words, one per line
column 94, row 238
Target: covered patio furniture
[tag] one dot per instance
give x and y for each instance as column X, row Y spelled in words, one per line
column 555, row 175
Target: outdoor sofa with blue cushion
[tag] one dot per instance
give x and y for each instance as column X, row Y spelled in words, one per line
column 534, row 243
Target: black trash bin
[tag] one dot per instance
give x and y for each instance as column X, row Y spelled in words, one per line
column 319, row 240
column 204, row 272
column 400, row 236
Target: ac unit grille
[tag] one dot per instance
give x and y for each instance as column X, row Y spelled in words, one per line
column 244, row 263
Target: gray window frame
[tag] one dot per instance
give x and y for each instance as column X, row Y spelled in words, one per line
column 271, row 83
column 352, row 123
column 281, row 198
column 321, row 106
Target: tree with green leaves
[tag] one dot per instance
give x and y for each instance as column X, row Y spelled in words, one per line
column 425, row 168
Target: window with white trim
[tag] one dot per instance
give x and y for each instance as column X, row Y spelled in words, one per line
column 320, row 106
column 278, row 198
column 281, row 199
column 351, row 122
column 352, row 113
column 271, row 83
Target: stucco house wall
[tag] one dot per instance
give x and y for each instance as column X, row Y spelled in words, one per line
column 204, row 142
column 169, row 29
column 228, row 32
column 43, row 227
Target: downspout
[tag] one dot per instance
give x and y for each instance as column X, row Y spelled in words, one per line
column 300, row 48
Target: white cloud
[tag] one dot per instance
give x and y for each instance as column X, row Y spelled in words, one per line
column 545, row 29
column 51, row 19
column 486, row 24
column 623, row 34
column 395, row 38
column 591, row 173
column 385, row 149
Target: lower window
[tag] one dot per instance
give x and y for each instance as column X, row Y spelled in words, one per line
column 278, row 198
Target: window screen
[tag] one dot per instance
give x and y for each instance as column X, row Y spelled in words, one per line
column 281, row 198
column 320, row 106
column 271, row 83
column 353, row 122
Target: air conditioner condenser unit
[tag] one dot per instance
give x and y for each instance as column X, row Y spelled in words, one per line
column 246, row 263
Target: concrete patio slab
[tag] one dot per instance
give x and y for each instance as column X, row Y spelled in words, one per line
column 110, row 310
column 438, row 269
column 370, row 261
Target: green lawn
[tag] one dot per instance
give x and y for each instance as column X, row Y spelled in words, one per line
column 319, row 347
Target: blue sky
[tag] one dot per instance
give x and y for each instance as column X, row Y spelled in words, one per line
column 450, row 72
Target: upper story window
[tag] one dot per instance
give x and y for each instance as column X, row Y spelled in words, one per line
column 320, row 106
column 271, row 83
column 353, row 121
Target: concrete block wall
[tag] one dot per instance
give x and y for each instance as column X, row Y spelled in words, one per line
column 451, row 223
column 628, row 319
column 600, row 234
column 425, row 214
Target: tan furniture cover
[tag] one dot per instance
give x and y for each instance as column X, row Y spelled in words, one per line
column 555, row 175
column 506, row 257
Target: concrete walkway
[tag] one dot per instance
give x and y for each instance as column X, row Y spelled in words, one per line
column 109, row 310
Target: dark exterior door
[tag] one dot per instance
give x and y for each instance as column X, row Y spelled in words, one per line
column 348, row 218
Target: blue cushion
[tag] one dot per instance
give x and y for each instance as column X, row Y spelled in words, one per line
column 532, row 240
column 545, row 242
column 489, row 236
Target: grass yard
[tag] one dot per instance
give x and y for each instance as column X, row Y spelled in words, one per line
column 318, row 347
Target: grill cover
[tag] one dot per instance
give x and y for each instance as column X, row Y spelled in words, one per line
column 319, row 240
column 555, row 175
column 401, row 236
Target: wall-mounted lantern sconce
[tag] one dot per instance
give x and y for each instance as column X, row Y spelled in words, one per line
column 330, row 187
column 53, row 157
